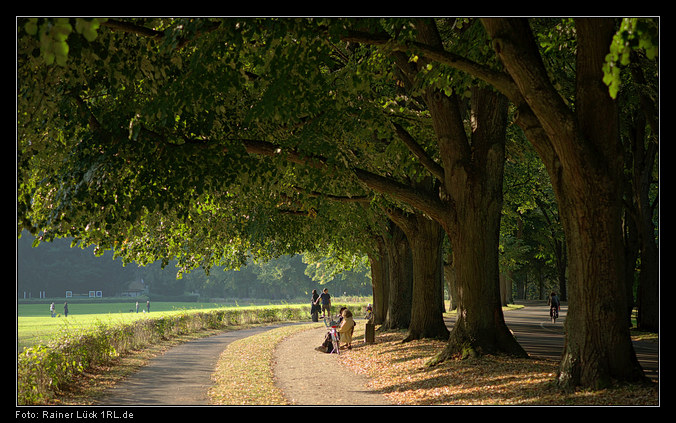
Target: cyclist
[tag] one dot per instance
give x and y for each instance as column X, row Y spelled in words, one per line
column 554, row 306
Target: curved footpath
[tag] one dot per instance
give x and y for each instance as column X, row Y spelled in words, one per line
column 310, row 377
column 182, row 376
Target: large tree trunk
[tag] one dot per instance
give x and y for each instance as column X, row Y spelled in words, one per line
column 598, row 347
column 581, row 151
column 425, row 237
column 474, row 224
column 480, row 327
column 401, row 281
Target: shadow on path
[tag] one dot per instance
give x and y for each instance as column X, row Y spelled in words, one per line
column 181, row 376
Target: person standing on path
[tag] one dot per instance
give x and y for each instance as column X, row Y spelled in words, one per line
column 325, row 299
column 314, row 308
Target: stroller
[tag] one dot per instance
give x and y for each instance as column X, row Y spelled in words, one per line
column 332, row 339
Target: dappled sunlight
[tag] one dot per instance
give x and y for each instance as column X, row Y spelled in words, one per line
column 400, row 371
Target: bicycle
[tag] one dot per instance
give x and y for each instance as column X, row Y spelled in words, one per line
column 333, row 333
column 554, row 313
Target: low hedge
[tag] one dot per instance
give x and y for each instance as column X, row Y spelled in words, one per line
column 42, row 370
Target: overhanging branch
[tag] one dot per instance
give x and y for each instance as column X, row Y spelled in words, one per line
column 433, row 167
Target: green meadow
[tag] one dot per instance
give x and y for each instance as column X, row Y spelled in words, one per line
column 35, row 325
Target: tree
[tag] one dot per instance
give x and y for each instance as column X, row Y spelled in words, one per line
column 425, row 237
column 192, row 171
column 580, row 148
column 639, row 123
column 151, row 164
column 469, row 170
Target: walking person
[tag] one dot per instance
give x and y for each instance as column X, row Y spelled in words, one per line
column 51, row 309
column 148, row 306
column 65, row 309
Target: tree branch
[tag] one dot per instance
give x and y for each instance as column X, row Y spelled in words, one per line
column 514, row 44
column 433, row 167
column 131, row 28
column 426, row 202
column 338, row 198
column 501, row 81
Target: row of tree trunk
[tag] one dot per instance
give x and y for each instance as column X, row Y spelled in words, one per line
column 583, row 156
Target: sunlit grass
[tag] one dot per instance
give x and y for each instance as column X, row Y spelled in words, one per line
column 35, row 325
column 244, row 374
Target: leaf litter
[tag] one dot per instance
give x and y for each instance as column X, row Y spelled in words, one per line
column 401, row 372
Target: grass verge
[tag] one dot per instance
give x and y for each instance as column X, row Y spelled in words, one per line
column 245, row 375
column 89, row 386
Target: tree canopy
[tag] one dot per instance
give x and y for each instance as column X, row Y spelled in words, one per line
column 146, row 152
column 210, row 140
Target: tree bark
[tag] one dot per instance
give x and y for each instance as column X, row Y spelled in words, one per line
column 582, row 154
column 474, row 175
column 400, row 281
column 425, row 236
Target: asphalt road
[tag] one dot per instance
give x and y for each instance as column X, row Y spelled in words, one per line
column 543, row 339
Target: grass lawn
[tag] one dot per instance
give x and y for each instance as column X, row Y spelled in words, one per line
column 35, row 325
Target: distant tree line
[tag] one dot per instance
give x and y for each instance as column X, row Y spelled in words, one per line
column 55, row 267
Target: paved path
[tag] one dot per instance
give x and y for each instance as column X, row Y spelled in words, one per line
column 182, row 376
column 542, row 338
